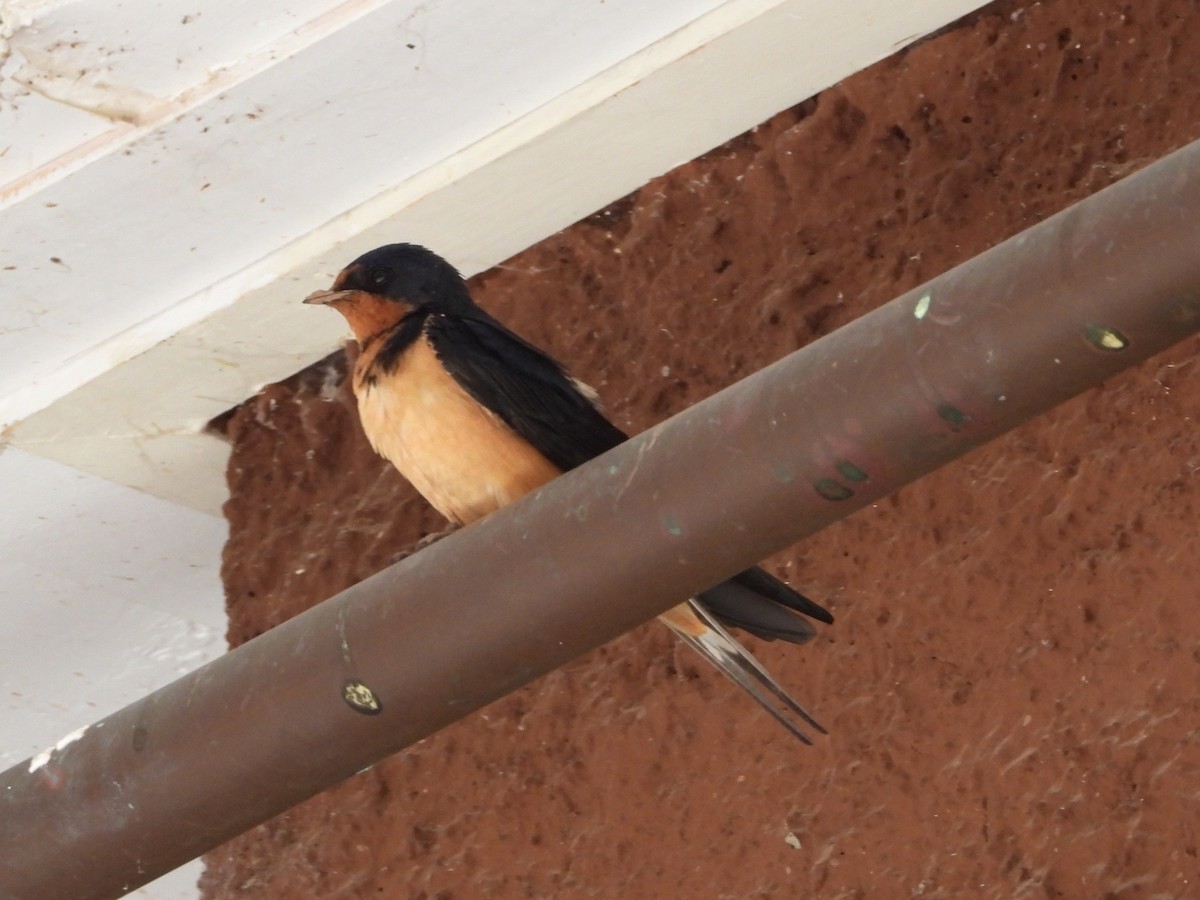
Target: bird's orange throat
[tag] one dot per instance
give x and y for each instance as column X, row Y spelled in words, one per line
column 370, row 314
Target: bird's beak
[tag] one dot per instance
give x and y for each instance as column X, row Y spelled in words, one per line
column 324, row 298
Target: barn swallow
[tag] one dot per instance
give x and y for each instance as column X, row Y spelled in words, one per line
column 475, row 417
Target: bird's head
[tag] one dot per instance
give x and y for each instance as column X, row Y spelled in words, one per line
column 383, row 286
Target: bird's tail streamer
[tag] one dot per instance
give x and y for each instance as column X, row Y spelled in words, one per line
column 720, row 648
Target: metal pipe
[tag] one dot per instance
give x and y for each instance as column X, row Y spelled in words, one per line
column 770, row 460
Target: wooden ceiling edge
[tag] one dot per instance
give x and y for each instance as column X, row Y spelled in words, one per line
column 134, row 425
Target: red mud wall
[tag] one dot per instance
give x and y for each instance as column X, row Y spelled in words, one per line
column 1011, row 685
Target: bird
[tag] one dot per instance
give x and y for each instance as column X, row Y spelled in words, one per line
column 475, row 417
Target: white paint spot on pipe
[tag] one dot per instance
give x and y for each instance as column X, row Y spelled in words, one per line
column 44, row 757
column 922, row 306
column 40, row 760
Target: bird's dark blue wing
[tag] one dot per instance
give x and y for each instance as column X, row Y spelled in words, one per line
column 525, row 387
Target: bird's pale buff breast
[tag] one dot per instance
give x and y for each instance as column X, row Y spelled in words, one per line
column 461, row 457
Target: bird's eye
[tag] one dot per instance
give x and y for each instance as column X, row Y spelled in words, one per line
column 379, row 276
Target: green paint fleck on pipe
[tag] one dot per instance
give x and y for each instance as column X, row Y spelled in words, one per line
column 832, row 490
column 674, row 529
column 955, row 417
column 850, row 471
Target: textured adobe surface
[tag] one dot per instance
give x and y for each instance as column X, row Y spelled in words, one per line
column 1011, row 683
